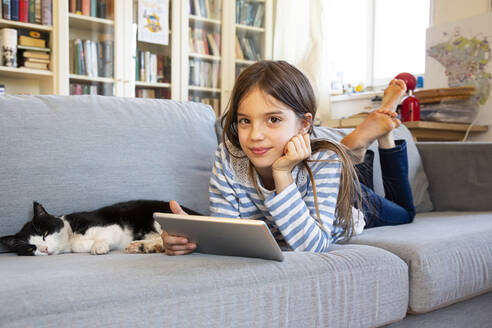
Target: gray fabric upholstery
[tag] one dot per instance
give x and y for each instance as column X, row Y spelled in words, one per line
column 473, row 313
column 449, row 255
column 416, row 174
column 459, row 174
column 351, row 286
column 84, row 152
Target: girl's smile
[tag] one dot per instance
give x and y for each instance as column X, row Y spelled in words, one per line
column 259, row 151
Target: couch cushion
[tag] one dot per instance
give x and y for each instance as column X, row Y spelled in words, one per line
column 351, row 286
column 79, row 153
column 449, row 255
column 416, row 174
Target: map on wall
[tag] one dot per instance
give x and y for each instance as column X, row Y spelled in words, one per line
column 459, row 54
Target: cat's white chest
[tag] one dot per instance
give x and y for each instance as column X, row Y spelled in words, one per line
column 113, row 236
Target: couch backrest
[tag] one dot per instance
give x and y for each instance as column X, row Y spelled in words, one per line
column 79, row 153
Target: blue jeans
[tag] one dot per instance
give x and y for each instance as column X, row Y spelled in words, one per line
column 397, row 205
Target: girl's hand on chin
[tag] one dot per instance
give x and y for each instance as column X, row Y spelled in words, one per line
column 296, row 150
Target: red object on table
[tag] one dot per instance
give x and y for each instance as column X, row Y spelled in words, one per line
column 410, row 105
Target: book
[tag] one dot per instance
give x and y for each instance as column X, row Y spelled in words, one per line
column 6, row 9
column 2, row 89
column 86, row 7
column 32, row 11
column 37, row 60
column 38, row 12
column 213, row 45
column 28, row 64
column 32, row 38
column 72, row 6
column 35, row 54
column 24, row 11
column 14, row 10
column 239, row 51
column 33, row 48
column 93, row 8
column 46, row 13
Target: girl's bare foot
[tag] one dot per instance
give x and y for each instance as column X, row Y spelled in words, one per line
column 377, row 126
column 395, row 90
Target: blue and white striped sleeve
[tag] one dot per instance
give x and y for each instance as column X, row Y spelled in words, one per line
column 222, row 196
column 295, row 216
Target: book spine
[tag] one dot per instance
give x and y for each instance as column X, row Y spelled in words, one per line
column 6, row 9
column 78, row 7
column 72, row 6
column 93, row 8
column 137, row 66
column 24, row 11
column 46, row 16
column 32, row 11
column 38, row 12
column 14, row 10
column 86, row 7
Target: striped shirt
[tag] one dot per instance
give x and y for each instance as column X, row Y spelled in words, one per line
column 290, row 214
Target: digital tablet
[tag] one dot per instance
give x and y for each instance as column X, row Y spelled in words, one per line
column 213, row 235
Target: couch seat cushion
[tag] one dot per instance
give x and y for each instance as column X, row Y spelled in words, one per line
column 449, row 255
column 351, row 286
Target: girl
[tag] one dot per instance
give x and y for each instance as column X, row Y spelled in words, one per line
column 268, row 168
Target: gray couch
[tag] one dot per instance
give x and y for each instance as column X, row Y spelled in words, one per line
column 83, row 152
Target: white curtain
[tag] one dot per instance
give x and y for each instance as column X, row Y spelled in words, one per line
column 300, row 38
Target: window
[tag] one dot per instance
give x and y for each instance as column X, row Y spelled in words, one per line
column 371, row 41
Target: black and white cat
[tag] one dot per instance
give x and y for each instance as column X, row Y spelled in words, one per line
column 125, row 226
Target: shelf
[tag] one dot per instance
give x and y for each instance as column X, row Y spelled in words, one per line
column 194, row 88
column 93, row 23
column 250, row 28
column 39, row 27
column 152, row 84
column 204, row 20
column 209, row 57
column 244, row 62
column 91, row 79
column 24, row 73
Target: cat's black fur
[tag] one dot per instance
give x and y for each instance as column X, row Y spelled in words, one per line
column 136, row 216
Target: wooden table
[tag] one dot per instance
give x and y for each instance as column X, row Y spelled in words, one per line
column 421, row 130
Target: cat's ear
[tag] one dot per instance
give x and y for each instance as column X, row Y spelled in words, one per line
column 39, row 210
column 9, row 241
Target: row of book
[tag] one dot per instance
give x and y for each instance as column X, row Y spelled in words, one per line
column 92, row 58
column 104, row 89
column 206, row 8
column 93, row 8
column 152, row 68
column 28, row 11
column 250, row 13
column 160, row 93
column 204, row 74
column 204, row 42
column 214, row 102
column 247, row 48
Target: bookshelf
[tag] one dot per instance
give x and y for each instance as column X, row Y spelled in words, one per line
column 191, row 72
column 201, row 45
column 22, row 80
column 91, row 38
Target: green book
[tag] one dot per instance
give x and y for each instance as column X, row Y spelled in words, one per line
column 137, row 67
column 32, row 11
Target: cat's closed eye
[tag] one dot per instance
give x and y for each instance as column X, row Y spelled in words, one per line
column 45, row 235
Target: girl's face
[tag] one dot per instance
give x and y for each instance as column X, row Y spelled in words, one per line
column 265, row 126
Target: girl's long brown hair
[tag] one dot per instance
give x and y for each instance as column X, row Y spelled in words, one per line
column 290, row 86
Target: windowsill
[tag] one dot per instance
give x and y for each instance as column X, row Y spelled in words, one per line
column 356, row 96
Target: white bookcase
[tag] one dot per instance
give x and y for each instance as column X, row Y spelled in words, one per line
column 122, row 29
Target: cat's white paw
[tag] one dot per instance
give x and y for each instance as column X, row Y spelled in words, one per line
column 99, row 248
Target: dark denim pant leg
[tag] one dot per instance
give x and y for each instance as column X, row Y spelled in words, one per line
column 397, row 207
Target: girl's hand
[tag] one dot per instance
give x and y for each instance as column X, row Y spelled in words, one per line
column 296, row 150
column 176, row 245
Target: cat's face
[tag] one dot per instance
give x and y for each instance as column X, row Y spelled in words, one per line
column 43, row 235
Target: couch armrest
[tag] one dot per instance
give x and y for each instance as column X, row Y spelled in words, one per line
column 460, row 174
